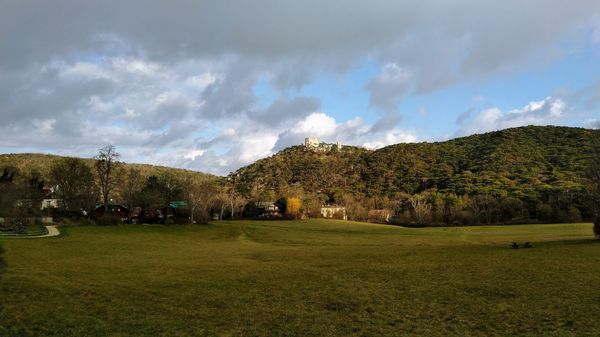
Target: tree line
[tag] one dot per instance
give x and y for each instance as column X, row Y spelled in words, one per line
column 83, row 186
column 521, row 175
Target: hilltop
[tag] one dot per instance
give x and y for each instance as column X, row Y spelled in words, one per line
column 534, row 165
column 41, row 163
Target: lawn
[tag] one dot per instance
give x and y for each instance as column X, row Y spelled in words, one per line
column 303, row 278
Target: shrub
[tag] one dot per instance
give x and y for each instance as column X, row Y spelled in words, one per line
column 544, row 212
column 574, row 214
column 108, row 220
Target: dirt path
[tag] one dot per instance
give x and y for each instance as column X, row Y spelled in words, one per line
column 52, row 231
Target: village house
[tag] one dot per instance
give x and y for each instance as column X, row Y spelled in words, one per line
column 267, row 209
column 178, row 211
column 334, row 212
column 51, row 203
column 119, row 211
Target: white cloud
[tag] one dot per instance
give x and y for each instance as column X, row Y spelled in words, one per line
column 316, row 124
column 546, row 111
column 130, row 113
column 390, row 138
column 200, row 82
column 133, row 66
column 352, row 132
column 193, row 154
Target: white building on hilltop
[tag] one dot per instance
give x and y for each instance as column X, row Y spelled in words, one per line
column 314, row 144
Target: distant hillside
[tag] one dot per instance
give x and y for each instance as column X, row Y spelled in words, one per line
column 41, row 163
column 533, row 164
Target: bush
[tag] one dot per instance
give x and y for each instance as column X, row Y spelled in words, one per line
column 108, row 220
column 544, row 212
column 16, row 225
column 597, row 227
column 574, row 214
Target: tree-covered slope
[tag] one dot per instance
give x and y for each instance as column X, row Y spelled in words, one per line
column 533, row 164
column 26, row 163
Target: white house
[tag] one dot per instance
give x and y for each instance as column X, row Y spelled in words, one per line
column 51, row 203
column 334, row 212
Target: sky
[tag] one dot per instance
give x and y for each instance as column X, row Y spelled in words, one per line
column 215, row 85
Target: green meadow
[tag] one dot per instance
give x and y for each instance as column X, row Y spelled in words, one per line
column 302, row 278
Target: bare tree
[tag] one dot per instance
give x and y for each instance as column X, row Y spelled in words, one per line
column 132, row 186
column 107, row 168
column 200, row 195
column 421, row 207
column 75, row 183
column 237, row 203
column 236, row 200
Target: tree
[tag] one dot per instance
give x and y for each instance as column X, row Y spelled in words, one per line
column 9, row 193
column 154, row 195
column 33, row 190
column 293, row 206
column 236, row 200
column 74, row 183
column 107, row 168
column 220, row 202
column 594, row 176
column 200, row 196
column 421, row 208
column 132, row 186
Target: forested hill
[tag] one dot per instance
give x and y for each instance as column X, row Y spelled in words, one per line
column 535, row 164
column 26, row 163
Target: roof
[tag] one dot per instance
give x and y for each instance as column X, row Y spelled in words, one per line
column 178, row 204
column 98, row 206
column 264, row 203
column 267, row 204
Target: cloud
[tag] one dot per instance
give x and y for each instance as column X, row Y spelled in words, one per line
column 167, row 82
column 352, row 132
column 285, row 110
column 541, row 112
column 464, row 116
column 389, row 87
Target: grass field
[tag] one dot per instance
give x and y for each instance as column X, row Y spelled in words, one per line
column 304, row 278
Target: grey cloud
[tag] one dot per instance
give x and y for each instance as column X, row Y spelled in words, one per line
column 288, row 138
column 389, row 87
column 464, row 116
column 274, row 29
column 176, row 132
column 387, row 122
column 231, row 95
column 286, row 110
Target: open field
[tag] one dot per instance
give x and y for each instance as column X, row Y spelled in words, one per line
column 303, row 278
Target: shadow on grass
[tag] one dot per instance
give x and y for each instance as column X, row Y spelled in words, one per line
column 569, row 242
